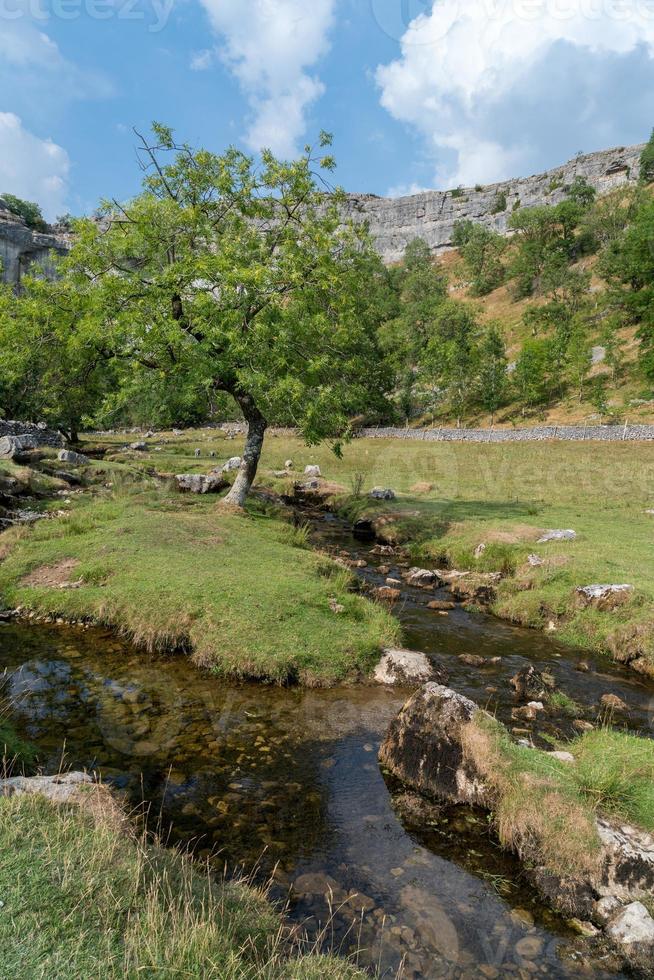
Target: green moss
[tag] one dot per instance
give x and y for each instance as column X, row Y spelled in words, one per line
column 82, row 898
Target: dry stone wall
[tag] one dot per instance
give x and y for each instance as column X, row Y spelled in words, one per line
column 42, row 435
column 563, row 433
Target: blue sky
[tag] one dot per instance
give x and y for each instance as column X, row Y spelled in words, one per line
column 417, row 93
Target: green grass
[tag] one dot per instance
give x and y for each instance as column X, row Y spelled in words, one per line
column 238, row 593
column 546, row 808
column 503, row 496
column 83, row 898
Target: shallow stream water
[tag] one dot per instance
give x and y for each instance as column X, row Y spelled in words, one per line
column 288, row 781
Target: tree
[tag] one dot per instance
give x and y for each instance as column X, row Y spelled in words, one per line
column 420, row 288
column 53, row 368
column 647, row 161
column 531, row 374
column 450, row 357
column 239, row 279
column 628, row 264
column 27, row 210
column 482, row 250
column 492, row 377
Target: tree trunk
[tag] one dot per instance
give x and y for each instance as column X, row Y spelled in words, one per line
column 257, row 426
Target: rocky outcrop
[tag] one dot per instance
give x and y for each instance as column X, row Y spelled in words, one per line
column 424, row 749
column 39, row 435
column 432, row 215
column 200, row 484
column 393, row 222
column 404, row 667
column 428, row 749
column 21, row 247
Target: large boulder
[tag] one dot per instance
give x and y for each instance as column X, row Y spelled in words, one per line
column 424, row 750
column 72, row 458
column 201, row 484
column 13, row 447
column 63, row 788
column 232, row 464
column 404, row 667
column 633, row 929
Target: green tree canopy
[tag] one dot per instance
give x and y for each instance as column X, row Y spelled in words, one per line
column 240, row 279
column 27, row 210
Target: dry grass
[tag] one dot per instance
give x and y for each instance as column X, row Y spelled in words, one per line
column 545, row 809
column 83, row 898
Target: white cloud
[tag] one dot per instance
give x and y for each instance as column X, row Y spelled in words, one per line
column 31, row 167
column 270, row 46
column 477, row 77
column 201, row 60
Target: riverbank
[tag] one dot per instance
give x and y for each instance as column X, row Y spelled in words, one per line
column 84, row 895
column 241, row 595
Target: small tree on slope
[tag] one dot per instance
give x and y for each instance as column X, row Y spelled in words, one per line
column 242, row 279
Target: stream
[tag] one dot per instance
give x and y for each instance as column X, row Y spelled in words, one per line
column 286, row 781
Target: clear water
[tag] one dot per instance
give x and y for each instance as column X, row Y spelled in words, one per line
column 288, row 781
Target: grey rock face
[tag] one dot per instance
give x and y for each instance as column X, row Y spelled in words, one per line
column 20, row 247
column 197, row 483
column 75, row 459
column 232, row 464
column 379, row 493
column 403, row 667
column 423, row 747
column 394, row 222
column 59, row 789
column 633, row 926
column 11, row 447
column 558, row 536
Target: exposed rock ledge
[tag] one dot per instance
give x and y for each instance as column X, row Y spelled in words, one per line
column 425, row 749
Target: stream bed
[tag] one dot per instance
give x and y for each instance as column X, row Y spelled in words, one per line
column 286, row 781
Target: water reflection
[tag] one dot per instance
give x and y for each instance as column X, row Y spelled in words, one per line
column 288, row 780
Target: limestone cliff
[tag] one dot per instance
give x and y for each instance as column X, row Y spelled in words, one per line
column 393, row 222
column 20, row 246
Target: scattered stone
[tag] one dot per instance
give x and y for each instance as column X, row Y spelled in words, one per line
column 319, row 884
column 583, row 667
column 232, row 464
column 177, row 432
column 197, row 453
column 336, row 607
column 441, row 605
column 479, row 550
column 471, row 660
column 532, row 685
column 529, row 948
column 394, row 582
column 212, row 454
column 387, row 594
column 562, row 756
column 72, row 458
column 312, row 471
column 585, row 929
column 421, row 578
column 379, row 493
column 288, row 465
column 403, row 667
column 139, row 447
column 604, row 597
column 535, row 561
column 633, row 927
column 557, row 535
column 198, row 483
column 613, row 703
column 528, row 712
column 582, row 726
